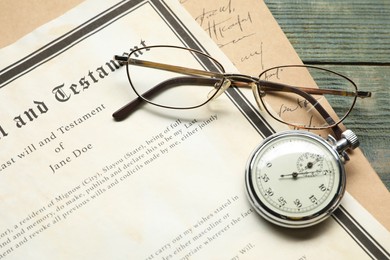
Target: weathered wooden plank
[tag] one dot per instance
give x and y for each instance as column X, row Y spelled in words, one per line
column 343, row 36
column 370, row 119
column 336, row 30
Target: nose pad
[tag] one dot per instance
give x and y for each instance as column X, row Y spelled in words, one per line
column 218, row 89
column 257, row 95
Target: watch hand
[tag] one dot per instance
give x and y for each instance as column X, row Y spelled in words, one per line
column 311, row 164
column 295, row 175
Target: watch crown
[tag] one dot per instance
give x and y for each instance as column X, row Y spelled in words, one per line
column 351, row 138
column 348, row 141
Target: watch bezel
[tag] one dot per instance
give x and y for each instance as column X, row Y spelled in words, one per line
column 285, row 220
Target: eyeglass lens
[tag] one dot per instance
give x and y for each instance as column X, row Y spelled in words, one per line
column 308, row 97
column 159, row 84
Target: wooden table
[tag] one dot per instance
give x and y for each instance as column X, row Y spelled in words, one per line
column 352, row 37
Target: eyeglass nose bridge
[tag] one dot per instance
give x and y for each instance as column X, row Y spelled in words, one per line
column 219, row 88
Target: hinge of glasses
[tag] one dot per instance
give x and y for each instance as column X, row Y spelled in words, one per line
column 121, row 59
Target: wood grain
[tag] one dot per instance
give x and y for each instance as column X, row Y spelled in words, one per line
column 351, row 37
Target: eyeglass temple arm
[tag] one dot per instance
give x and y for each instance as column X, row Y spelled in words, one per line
column 133, row 105
column 167, row 67
column 311, row 91
column 317, row 91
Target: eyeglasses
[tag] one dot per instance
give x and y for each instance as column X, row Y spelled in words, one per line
column 301, row 96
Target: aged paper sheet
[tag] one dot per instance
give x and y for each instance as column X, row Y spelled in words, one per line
column 159, row 185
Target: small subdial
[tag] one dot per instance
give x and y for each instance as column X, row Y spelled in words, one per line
column 310, row 162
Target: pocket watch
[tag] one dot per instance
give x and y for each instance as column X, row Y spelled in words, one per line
column 297, row 179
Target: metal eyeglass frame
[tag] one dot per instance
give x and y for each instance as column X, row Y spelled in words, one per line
column 225, row 80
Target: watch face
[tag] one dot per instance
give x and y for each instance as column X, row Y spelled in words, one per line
column 295, row 179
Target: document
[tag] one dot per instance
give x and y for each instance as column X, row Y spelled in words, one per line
column 162, row 184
